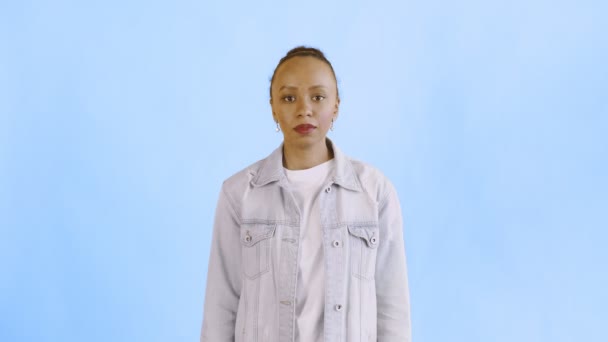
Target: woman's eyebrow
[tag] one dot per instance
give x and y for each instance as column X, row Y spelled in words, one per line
column 294, row 87
column 287, row 87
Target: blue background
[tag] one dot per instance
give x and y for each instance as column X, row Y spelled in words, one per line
column 119, row 121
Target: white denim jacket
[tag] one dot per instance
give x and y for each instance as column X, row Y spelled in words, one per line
column 251, row 281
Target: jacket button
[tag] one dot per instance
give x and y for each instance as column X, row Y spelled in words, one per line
column 248, row 237
column 337, row 243
column 339, row 307
column 373, row 240
column 328, row 189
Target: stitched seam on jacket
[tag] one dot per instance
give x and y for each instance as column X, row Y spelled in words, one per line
column 231, row 206
column 385, row 198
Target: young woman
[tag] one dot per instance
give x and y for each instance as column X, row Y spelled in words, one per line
column 307, row 243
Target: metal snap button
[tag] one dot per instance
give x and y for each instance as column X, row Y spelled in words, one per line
column 373, row 240
column 247, row 237
column 337, row 243
column 328, row 189
column 339, row 307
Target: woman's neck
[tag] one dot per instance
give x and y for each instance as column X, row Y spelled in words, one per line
column 297, row 158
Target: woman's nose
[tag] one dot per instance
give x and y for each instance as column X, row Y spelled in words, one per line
column 304, row 108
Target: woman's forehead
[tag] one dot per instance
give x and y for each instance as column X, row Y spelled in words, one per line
column 304, row 70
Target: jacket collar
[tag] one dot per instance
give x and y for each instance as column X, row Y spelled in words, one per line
column 271, row 170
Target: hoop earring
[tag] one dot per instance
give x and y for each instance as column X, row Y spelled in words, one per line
column 331, row 128
column 278, row 129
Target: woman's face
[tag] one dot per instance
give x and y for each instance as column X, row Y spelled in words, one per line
column 304, row 101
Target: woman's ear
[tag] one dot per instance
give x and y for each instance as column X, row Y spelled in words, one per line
column 274, row 115
column 337, row 108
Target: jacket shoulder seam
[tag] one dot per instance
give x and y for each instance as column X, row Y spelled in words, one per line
column 231, row 205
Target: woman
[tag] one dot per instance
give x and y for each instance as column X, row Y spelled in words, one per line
column 307, row 243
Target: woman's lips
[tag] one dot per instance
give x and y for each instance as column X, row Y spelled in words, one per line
column 304, row 128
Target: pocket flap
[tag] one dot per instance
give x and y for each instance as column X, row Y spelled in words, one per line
column 252, row 234
column 368, row 233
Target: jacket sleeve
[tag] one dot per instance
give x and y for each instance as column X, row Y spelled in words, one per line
column 392, row 290
column 223, row 276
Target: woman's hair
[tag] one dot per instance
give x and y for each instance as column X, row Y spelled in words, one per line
column 304, row 51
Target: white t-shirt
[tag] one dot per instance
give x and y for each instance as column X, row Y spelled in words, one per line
column 310, row 297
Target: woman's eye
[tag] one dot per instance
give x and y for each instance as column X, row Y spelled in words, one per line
column 289, row 98
column 318, row 97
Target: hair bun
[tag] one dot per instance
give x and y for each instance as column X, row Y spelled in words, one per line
column 305, row 51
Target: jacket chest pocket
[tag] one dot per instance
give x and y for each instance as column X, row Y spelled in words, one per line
column 364, row 241
column 255, row 242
